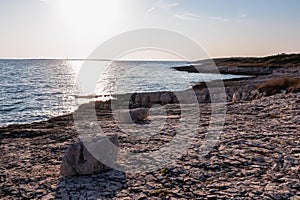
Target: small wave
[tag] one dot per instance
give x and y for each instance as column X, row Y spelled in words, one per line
column 18, row 102
column 7, row 109
column 18, row 97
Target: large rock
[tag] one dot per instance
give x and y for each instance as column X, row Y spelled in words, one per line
column 142, row 99
column 139, row 114
column 154, row 97
column 79, row 161
column 132, row 115
column 103, row 105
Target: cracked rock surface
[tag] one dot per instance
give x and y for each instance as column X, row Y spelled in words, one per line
column 257, row 156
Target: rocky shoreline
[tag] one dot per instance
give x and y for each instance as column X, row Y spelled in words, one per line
column 235, row 70
column 257, row 155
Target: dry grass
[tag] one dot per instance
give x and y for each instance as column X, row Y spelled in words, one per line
column 277, row 85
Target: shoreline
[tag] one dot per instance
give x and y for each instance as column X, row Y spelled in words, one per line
column 251, row 66
column 257, row 154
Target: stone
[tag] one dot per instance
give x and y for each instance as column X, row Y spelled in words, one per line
column 99, row 105
column 139, row 114
column 79, row 161
column 123, row 116
column 132, row 115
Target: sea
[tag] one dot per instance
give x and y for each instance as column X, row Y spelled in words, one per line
column 36, row 90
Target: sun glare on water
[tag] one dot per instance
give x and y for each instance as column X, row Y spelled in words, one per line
column 89, row 13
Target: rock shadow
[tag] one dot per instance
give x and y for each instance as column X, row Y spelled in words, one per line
column 99, row 186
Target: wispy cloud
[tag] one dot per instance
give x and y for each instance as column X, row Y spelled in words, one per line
column 196, row 17
column 220, row 19
column 44, row 1
column 244, row 18
column 163, row 4
column 187, row 16
column 243, row 15
column 151, row 9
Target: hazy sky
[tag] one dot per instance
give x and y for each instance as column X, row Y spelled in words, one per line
column 74, row 28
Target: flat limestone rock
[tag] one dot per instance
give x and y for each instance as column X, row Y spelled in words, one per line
column 79, row 161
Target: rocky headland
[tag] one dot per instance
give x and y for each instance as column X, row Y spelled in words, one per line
column 257, row 155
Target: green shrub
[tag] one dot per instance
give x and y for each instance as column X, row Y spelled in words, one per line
column 158, row 193
column 164, row 171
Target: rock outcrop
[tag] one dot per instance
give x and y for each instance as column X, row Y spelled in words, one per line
column 148, row 99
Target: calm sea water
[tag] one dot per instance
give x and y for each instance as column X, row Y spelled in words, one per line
column 35, row 90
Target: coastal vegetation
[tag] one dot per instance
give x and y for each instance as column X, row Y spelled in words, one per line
column 271, row 61
column 274, row 86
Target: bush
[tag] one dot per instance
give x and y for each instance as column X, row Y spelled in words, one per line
column 295, row 85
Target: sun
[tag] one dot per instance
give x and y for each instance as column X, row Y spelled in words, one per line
column 89, row 13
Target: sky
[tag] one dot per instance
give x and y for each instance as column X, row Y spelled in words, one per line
column 74, row 28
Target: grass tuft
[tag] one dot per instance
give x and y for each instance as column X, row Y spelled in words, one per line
column 158, row 193
column 164, row 171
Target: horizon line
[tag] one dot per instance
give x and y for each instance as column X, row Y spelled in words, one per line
column 106, row 59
